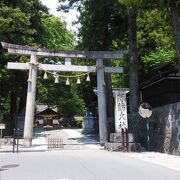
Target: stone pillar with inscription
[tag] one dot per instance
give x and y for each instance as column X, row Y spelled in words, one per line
column 120, row 109
column 121, row 140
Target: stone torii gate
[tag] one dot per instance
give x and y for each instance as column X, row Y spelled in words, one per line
column 33, row 66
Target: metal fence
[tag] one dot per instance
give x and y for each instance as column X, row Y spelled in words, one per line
column 55, row 143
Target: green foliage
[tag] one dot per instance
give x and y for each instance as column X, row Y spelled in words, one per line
column 100, row 24
column 15, row 26
column 99, row 21
column 155, row 41
column 154, row 29
column 4, row 105
column 158, row 57
column 120, row 80
column 132, row 3
column 67, row 99
column 103, row 27
column 57, row 36
column 27, row 23
column 71, row 105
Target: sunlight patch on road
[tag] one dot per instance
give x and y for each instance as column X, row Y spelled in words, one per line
column 73, row 133
column 94, row 146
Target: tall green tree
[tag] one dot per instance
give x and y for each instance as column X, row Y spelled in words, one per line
column 14, row 28
column 67, row 98
column 174, row 6
column 17, row 26
column 99, row 28
column 56, row 34
column 150, row 41
column 132, row 9
column 154, row 38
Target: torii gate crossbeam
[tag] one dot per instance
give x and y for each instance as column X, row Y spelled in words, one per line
column 33, row 66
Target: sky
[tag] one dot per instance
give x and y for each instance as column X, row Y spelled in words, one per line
column 68, row 17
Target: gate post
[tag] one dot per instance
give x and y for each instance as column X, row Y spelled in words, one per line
column 101, row 102
column 30, row 102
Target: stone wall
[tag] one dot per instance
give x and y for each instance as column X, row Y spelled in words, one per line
column 164, row 129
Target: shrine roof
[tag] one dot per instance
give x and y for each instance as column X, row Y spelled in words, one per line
column 166, row 71
column 48, row 111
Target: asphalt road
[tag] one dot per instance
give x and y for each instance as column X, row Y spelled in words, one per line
column 80, row 165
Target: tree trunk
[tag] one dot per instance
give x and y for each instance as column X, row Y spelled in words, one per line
column 13, row 110
column 22, row 101
column 175, row 21
column 110, row 101
column 133, row 63
column 106, row 44
column 22, row 105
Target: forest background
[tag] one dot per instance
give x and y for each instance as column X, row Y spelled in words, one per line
column 148, row 29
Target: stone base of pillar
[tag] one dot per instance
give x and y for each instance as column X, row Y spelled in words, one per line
column 117, row 137
column 27, row 142
column 133, row 147
column 118, row 143
column 176, row 152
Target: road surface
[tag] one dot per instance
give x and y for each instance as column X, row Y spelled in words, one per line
column 80, row 165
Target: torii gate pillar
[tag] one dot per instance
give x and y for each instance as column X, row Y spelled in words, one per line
column 101, row 102
column 30, row 102
column 33, row 66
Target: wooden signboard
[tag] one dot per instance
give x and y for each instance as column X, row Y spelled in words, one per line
column 2, row 126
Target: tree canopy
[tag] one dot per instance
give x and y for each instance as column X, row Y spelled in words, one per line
column 149, row 29
column 29, row 23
